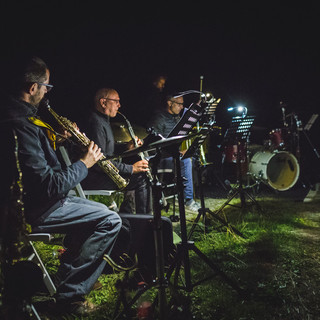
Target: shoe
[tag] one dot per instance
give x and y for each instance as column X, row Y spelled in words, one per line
column 192, row 206
column 79, row 308
column 97, row 285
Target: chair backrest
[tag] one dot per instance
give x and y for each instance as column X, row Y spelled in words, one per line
column 66, row 159
column 78, row 189
column 85, row 194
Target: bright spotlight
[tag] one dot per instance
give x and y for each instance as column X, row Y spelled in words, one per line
column 239, row 111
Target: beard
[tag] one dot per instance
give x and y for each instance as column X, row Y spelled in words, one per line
column 36, row 99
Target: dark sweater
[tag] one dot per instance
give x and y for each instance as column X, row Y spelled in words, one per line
column 163, row 122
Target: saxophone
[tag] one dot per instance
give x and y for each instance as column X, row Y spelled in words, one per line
column 142, row 155
column 106, row 165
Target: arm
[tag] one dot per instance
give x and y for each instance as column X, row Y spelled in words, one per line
column 101, row 133
column 42, row 172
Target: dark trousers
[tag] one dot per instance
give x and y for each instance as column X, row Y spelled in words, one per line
column 137, row 183
column 91, row 230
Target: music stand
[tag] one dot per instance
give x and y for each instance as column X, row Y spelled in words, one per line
column 183, row 248
column 161, row 146
column 197, row 142
column 184, row 126
column 188, row 120
column 238, row 133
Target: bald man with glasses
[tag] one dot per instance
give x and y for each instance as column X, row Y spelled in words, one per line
column 97, row 127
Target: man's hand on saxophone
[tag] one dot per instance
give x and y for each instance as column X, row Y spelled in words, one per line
column 134, row 144
column 92, row 156
column 140, row 166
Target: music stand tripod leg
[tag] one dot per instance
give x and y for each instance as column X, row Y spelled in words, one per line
column 203, row 210
column 182, row 255
column 160, row 282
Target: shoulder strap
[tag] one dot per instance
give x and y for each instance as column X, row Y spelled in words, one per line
column 50, row 131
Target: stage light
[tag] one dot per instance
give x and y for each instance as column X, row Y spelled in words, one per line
column 209, row 97
column 239, row 111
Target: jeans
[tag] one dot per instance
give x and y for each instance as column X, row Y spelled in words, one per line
column 91, row 230
column 186, row 173
column 142, row 195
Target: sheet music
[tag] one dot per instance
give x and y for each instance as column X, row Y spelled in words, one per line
column 187, row 121
column 239, row 129
column 198, row 141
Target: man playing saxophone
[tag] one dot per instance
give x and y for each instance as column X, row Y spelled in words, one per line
column 90, row 227
column 97, row 127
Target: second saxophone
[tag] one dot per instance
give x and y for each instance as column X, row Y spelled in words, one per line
column 106, row 165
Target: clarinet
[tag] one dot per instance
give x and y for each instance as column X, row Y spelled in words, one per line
column 142, row 155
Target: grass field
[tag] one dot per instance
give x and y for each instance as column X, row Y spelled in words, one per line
column 272, row 272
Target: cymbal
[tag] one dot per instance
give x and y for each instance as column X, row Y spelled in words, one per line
column 121, row 133
column 258, row 128
column 163, row 143
column 255, row 147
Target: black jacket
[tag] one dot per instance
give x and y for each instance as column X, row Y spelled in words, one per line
column 163, row 122
column 45, row 182
column 98, row 129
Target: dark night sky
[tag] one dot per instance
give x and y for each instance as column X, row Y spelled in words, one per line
column 255, row 56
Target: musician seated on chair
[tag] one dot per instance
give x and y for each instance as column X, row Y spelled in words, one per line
column 163, row 121
column 97, row 127
column 90, row 227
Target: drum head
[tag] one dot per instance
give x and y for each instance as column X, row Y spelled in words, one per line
column 283, row 171
column 278, row 169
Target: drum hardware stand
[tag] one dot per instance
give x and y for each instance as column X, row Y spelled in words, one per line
column 182, row 254
column 307, row 127
column 239, row 132
column 304, row 130
column 203, row 211
column 195, row 146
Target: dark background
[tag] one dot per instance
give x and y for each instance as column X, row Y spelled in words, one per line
column 255, row 56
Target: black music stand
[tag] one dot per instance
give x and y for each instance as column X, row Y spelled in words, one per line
column 161, row 146
column 183, row 248
column 193, row 149
column 238, row 133
column 188, row 120
column 184, row 127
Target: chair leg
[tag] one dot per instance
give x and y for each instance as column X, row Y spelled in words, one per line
column 46, row 277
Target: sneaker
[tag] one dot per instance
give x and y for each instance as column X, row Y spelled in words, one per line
column 76, row 308
column 193, row 206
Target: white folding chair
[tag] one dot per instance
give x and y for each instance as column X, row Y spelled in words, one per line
column 78, row 191
column 34, row 257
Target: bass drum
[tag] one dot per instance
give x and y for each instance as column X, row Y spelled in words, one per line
column 278, row 169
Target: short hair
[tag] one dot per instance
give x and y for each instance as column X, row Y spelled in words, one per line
column 102, row 93
column 24, row 72
column 158, row 77
column 173, row 95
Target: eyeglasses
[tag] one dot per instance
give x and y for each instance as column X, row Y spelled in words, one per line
column 48, row 86
column 177, row 102
column 114, row 100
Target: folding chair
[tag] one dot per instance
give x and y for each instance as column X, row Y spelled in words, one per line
column 86, row 193
column 34, row 257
